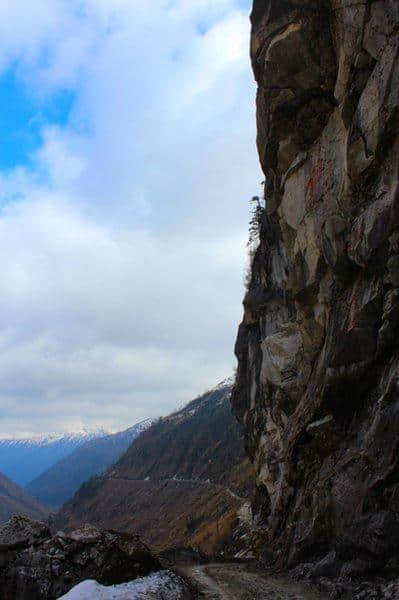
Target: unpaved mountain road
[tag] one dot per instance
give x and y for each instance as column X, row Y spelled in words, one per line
column 235, row 582
column 177, row 480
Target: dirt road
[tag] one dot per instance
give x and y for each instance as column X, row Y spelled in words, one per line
column 236, row 582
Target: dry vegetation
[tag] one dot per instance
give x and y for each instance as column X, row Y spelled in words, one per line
column 202, row 446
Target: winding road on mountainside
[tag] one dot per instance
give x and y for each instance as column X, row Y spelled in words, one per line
column 236, row 581
column 217, row 486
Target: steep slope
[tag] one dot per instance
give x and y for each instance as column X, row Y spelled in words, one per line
column 24, row 459
column 180, row 482
column 56, row 485
column 317, row 385
column 15, row 501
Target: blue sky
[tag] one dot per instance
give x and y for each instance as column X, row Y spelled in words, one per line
column 127, row 161
column 22, row 117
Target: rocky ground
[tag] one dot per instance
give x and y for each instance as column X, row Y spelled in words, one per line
column 382, row 585
column 234, row 581
column 89, row 563
column 249, row 581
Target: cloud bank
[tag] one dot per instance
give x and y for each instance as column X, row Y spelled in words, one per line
column 123, row 236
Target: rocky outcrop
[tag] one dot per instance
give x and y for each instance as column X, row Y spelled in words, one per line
column 37, row 566
column 318, row 373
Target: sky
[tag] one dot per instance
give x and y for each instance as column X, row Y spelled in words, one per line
column 127, row 163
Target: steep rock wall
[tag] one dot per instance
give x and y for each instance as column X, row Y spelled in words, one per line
column 318, row 347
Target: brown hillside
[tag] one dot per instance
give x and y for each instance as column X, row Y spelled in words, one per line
column 15, row 501
column 179, row 484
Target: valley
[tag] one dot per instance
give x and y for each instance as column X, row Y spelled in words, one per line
column 15, row 500
column 196, row 453
column 282, row 481
column 24, row 459
column 59, row 482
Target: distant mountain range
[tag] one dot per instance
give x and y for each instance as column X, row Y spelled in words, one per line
column 16, row 501
column 22, row 460
column 58, row 483
column 180, row 483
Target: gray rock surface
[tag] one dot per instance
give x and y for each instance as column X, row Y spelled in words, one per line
column 37, row 566
column 20, row 532
column 317, row 387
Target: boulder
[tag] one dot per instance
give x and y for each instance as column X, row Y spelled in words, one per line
column 37, row 566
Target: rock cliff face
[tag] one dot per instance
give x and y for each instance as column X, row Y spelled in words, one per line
column 318, row 347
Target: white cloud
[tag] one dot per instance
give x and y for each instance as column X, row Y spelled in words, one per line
column 123, row 247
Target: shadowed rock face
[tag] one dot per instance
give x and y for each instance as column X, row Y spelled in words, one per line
column 317, row 384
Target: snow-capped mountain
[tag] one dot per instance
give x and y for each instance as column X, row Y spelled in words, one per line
column 227, row 382
column 58, row 483
column 22, row 460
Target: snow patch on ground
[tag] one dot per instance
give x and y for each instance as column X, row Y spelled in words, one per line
column 164, row 584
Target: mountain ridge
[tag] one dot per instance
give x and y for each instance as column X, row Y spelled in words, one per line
column 23, row 459
column 57, row 484
column 50, row 437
